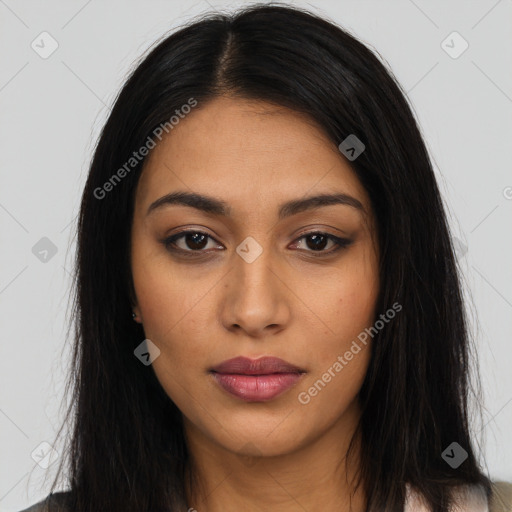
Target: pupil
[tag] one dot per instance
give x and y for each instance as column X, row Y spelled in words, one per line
column 317, row 245
column 196, row 241
column 196, row 238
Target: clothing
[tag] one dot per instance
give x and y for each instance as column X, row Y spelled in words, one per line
column 472, row 501
column 502, row 502
column 57, row 500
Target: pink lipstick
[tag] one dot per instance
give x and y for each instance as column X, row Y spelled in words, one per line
column 256, row 380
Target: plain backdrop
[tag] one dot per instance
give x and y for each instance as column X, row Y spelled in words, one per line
column 53, row 108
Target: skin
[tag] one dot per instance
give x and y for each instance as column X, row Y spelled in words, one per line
column 280, row 455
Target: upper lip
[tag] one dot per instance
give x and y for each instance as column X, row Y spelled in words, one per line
column 262, row 366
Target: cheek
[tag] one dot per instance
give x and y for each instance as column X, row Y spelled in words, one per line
column 345, row 306
column 175, row 309
column 342, row 298
column 171, row 312
column 345, row 313
column 164, row 295
column 340, row 358
column 355, row 308
column 359, row 289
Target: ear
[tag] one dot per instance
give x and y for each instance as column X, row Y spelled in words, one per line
column 136, row 312
column 134, row 304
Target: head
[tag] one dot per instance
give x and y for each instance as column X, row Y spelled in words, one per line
column 259, row 281
column 302, row 250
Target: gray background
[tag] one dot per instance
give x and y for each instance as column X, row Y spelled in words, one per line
column 52, row 111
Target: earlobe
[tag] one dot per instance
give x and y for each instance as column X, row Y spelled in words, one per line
column 134, row 304
column 135, row 315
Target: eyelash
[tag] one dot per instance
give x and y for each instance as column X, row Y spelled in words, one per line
column 341, row 243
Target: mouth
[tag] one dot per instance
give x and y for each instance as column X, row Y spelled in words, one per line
column 258, row 380
column 262, row 366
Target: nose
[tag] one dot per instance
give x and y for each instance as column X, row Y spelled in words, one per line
column 256, row 298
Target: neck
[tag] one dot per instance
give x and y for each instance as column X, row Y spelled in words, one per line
column 315, row 476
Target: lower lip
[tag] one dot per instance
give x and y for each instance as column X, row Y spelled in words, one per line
column 256, row 388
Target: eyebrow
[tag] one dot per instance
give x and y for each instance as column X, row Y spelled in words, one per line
column 215, row 206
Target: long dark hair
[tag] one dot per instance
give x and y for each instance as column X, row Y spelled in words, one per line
column 127, row 450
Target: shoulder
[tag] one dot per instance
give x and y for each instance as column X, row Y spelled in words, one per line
column 57, row 501
column 474, row 498
column 501, row 499
column 469, row 498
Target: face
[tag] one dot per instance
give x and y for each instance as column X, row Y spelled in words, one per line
column 297, row 283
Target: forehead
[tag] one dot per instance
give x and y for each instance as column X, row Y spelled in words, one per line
column 250, row 153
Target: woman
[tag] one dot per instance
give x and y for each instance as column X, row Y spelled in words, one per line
column 269, row 315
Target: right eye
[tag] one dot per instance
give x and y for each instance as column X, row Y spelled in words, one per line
column 195, row 240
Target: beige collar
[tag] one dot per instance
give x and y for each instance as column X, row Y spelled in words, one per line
column 467, row 499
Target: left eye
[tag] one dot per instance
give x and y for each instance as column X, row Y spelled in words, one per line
column 318, row 241
column 196, row 241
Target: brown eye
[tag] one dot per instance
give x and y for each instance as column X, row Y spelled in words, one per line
column 193, row 241
column 317, row 241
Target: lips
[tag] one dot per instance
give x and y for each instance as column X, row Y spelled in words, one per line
column 262, row 366
column 257, row 380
